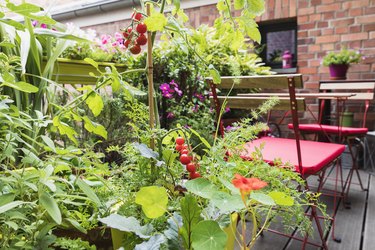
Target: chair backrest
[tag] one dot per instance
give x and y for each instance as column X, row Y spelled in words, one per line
column 287, row 101
column 363, row 90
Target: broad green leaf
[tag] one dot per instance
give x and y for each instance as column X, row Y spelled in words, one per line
column 254, row 34
column 222, row 6
column 153, row 200
column 88, row 191
column 227, row 202
column 153, row 243
column 156, row 22
column 92, row 62
column 201, row 187
column 237, row 41
column 214, row 74
column 127, row 224
column 50, row 205
column 49, row 143
column 10, row 206
column 95, row 103
column 95, row 127
column 262, row 198
column 11, row 224
column 64, row 129
column 239, row 4
column 15, row 24
column 133, row 91
column 176, row 4
column 281, row 198
column 255, row 7
column 76, row 225
column 208, row 235
column 27, row 10
column 116, row 84
column 148, row 153
column 22, row 86
column 190, row 213
column 172, row 232
column 25, row 48
column 203, row 140
column 6, row 198
column 228, row 185
column 57, row 34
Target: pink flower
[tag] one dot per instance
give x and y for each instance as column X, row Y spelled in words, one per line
column 43, row 26
column 170, row 115
column 106, row 39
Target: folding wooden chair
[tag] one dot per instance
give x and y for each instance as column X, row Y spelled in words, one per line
column 308, row 157
column 362, row 91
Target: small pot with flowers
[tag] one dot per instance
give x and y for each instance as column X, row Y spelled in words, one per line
column 339, row 62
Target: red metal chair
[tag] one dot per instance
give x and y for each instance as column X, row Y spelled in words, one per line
column 308, row 157
column 362, row 91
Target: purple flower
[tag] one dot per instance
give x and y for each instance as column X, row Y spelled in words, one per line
column 178, row 91
column 227, row 109
column 173, row 84
column 167, row 95
column 165, row 87
column 170, row 115
column 200, row 97
column 34, row 23
column 105, row 39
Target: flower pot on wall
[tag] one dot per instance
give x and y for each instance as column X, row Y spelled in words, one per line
column 338, row 71
column 67, row 71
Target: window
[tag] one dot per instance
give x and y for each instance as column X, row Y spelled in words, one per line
column 277, row 37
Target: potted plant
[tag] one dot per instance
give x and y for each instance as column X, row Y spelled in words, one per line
column 338, row 62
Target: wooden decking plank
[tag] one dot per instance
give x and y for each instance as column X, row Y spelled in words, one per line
column 369, row 232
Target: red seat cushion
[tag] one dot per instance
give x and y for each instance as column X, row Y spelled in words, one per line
column 315, row 155
column 330, row 129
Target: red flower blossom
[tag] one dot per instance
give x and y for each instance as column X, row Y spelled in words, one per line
column 246, row 185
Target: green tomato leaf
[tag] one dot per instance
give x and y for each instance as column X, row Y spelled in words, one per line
column 281, row 198
column 50, row 205
column 64, row 129
column 94, row 127
column 262, row 198
column 201, row 187
column 156, row 22
column 207, row 235
column 153, row 200
column 95, row 103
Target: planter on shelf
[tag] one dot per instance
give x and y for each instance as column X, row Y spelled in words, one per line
column 69, row 71
column 338, row 71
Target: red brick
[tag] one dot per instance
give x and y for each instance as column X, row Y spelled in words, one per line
column 315, row 17
column 327, row 1
column 302, row 63
column 327, row 31
column 369, row 11
column 304, row 41
column 369, row 27
column 327, row 39
column 342, row 30
column 311, row 85
column 271, row 4
column 302, row 49
column 355, row 4
column 322, row 24
column 316, row 2
column 302, row 34
column 328, row 15
column 314, row 48
column 355, row 12
column 327, row 47
column 360, row 67
column 372, row 35
column 366, row 19
column 315, row 63
column 355, row 29
column 302, row 4
column 292, row 8
column 306, row 26
column 306, row 11
column 342, row 22
column 277, row 9
column 328, row 7
column 305, row 56
column 302, row 19
column 355, row 44
column 309, row 70
column 355, row 36
column 315, row 33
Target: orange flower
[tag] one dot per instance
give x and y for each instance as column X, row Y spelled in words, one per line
column 246, row 185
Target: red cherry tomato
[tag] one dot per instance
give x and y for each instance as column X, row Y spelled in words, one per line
column 184, row 159
column 179, row 147
column 136, row 49
column 194, row 175
column 191, row 167
column 128, row 32
column 137, row 16
column 126, row 44
column 141, row 40
column 180, row 140
column 184, row 151
column 141, row 28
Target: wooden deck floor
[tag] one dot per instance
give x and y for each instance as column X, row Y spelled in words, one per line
column 355, row 226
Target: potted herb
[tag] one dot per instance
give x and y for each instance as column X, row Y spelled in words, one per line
column 338, row 62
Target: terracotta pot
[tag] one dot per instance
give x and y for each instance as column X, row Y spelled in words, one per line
column 338, row 71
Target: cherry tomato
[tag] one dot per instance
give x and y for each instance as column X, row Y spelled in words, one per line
column 136, row 49
column 184, row 159
column 141, row 28
column 179, row 147
column 180, row 140
column 127, row 33
column 137, row 16
column 126, row 44
column 191, row 167
column 184, row 151
column 141, row 40
column 194, row 175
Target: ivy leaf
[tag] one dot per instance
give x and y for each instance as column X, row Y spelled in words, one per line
column 156, row 22
column 50, row 205
column 95, row 103
column 281, row 198
column 239, row 4
column 255, row 7
column 208, row 235
column 262, row 198
column 153, row 200
column 95, row 127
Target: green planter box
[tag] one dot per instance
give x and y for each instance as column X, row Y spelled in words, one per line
column 68, row 71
